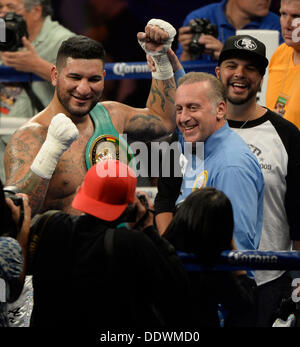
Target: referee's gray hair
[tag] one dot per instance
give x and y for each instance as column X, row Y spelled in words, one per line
column 217, row 91
column 46, row 6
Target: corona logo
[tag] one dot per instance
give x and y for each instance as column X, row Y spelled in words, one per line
column 2, row 30
column 237, row 256
column 121, row 69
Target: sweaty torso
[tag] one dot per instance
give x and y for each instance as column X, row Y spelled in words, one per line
column 71, row 168
column 68, row 175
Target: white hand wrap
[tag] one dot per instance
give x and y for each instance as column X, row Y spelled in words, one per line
column 163, row 67
column 61, row 133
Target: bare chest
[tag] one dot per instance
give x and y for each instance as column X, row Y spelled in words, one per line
column 68, row 175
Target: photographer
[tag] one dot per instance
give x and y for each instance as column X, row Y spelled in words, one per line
column 228, row 16
column 106, row 273
column 36, row 55
column 13, row 241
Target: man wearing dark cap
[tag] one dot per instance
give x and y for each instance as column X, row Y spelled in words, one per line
column 275, row 142
column 106, row 274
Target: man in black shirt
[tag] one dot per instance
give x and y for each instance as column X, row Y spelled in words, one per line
column 275, row 142
column 93, row 270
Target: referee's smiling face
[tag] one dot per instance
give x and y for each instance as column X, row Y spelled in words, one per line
column 197, row 114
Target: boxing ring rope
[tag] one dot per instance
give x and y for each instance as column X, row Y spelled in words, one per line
column 114, row 71
column 247, row 260
column 229, row 260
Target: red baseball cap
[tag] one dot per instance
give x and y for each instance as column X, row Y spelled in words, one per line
column 107, row 189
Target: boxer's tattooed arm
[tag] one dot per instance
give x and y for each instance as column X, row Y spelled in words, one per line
column 160, row 120
column 19, row 155
column 146, row 127
column 161, row 96
column 36, row 187
column 155, row 95
column 151, row 123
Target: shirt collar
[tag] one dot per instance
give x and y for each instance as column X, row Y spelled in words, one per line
column 211, row 144
column 44, row 31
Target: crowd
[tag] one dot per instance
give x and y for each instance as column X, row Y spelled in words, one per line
column 77, row 232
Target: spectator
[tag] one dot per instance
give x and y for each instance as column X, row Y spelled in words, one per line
column 37, row 57
column 79, row 80
column 117, row 276
column 13, row 243
column 228, row 16
column 228, row 163
column 203, row 225
column 284, row 70
column 241, row 70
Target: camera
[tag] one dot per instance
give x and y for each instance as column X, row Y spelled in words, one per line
column 198, row 27
column 15, row 29
column 132, row 210
column 143, row 200
column 10, row 192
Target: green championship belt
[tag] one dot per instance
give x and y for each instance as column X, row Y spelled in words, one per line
column 106, row 142
column 108, row 147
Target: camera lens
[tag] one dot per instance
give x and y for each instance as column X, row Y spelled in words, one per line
column 15, row 29
column 198, row 27
column 10, row 192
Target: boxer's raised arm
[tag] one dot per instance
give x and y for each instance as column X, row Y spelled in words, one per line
column 158, row 118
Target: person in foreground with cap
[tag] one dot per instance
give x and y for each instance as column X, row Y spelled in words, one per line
column 275, row 142
column 106, row 274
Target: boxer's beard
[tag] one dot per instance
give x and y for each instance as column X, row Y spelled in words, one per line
column 66, row 100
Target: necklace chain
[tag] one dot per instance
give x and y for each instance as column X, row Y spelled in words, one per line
column 246, row 121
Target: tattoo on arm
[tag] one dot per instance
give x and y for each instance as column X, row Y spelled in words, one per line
column 155, row 92
column 145, row 127
column 36, row 187
column 159, row 119
column 20, row 152
column 168, row 87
